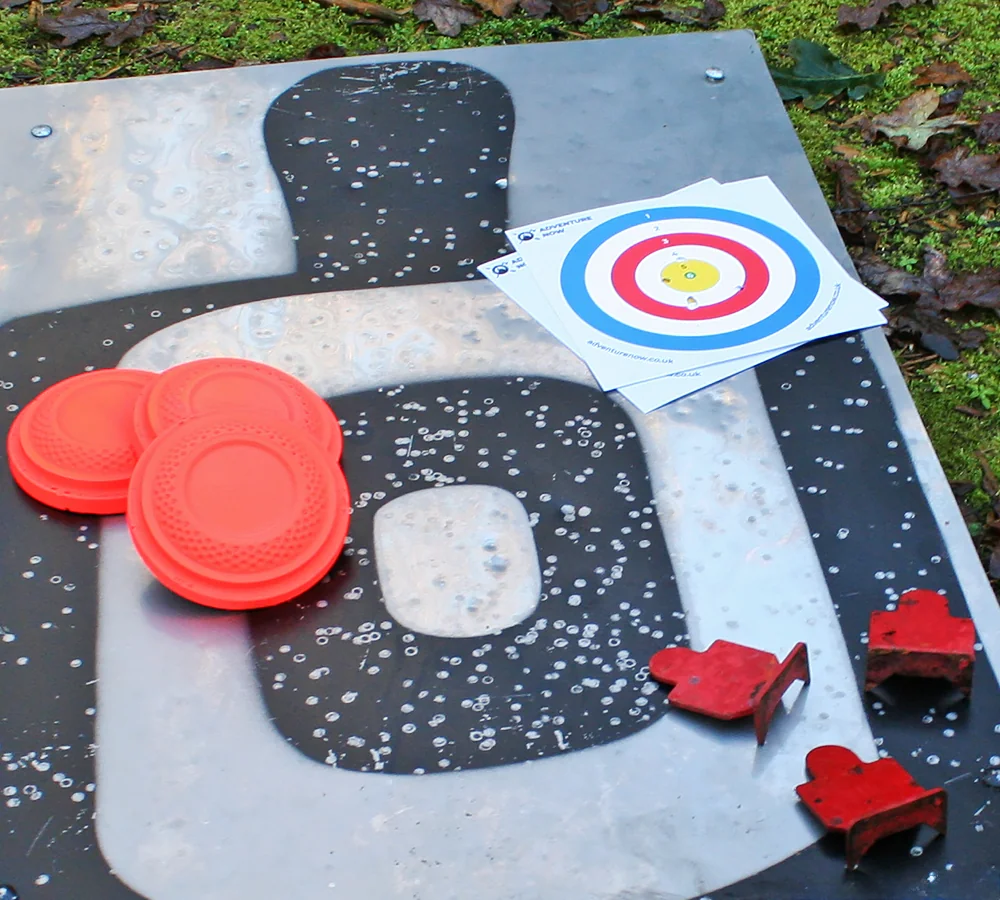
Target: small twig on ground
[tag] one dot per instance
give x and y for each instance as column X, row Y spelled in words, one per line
column 364, row 8
column 141, row 57
column 899, row 207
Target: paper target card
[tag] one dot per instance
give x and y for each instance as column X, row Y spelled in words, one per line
column 512, row 276
column 708, row 275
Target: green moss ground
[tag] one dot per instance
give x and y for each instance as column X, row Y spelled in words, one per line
column 962, row 31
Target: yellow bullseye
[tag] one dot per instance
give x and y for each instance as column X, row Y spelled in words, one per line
column 690, row 275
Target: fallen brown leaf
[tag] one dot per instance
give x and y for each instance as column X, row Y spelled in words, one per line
column 846, row 193
column 537, row 9
column 501, row 8
column 910, row 124
column 971, row 411
column 945, row 74
column 143, row 20
column 950, row 101
column 965, row 172
column 579, row 10
column 981, row 289
column 988, row 129
column 10, row 4
column 847, row 151
column 936, row 272
column 991, row 484
column 569, row 10
column 206, row 63
column 926, row 326
column 919, row 300
column 705, row 16
column 448, row 16
column 326, row 51
column 364, row 8
column 75, row 25
column 852, row 214
column 890, row 282
column 867, row 17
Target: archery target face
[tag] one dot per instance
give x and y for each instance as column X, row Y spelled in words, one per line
column 689, row 278
column 686, row 279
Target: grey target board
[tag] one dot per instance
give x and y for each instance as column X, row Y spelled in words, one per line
column 327, row 218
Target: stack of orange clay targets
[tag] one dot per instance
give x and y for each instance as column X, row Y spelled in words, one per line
column 228, row 472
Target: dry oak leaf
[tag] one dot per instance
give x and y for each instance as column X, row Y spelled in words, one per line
column 10, row 4
column 537, row 9
column 143, row 20
column 950, row 101
column 988, row 130
column 867, row 17
column 501, row 8
column 579, row 10
column 936, row 271
column 930, row 293
column 888, row 281
column 981, row 288
column 709, row 14
column 910, row 124
column 945, row 74
column 448, row 16
column 326, row 51
column 75, row 25
column 963, row 171
column 853, row 215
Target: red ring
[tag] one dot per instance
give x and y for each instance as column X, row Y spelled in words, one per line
column 755, row 283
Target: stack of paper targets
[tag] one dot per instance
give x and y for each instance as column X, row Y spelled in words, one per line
column 662, row 297
column 228, row 472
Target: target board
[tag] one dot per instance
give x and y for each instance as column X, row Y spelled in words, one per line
column 356, row 742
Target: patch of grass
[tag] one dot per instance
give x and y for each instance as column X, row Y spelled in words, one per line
column 818, row 140
column 977, row 244
column 973, row 382
column 262, row 30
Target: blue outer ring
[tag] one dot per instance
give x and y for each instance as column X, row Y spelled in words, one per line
column 574, row 284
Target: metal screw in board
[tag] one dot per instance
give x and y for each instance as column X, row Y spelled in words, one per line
column 7, row 892
column 40, row 131
column 714, row 73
